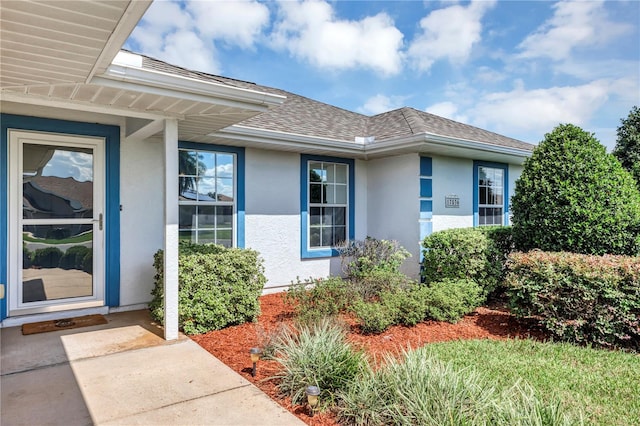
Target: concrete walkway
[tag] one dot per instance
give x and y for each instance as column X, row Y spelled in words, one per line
column 124, row 373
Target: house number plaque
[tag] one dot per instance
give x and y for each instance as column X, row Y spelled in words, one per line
column 452, row 201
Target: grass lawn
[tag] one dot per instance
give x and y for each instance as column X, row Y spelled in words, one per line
column 603, row 385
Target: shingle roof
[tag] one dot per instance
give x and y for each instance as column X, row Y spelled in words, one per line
column 304, row 116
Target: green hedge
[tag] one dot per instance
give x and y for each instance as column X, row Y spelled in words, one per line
column 467, row 253
column 218, row 287
column 579, row 298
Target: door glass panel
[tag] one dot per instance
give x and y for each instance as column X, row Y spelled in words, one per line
column 57, row 182
column 57, row 262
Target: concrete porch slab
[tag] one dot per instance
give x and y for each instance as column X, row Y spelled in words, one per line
column 124, row 373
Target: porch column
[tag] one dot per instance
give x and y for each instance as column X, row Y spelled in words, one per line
column 171, row 229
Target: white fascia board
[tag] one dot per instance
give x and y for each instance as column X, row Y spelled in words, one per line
column 160, row 83
column 444, row 141
column 128, row 21
column 416, row 143
column 273, row 138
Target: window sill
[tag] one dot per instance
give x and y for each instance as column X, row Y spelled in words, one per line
column 319, row 253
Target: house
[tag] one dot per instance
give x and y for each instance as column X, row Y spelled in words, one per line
column 107, row 156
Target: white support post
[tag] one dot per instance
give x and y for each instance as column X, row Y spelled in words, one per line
column 171, row 229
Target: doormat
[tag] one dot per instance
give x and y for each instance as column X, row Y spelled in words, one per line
column 63, row 324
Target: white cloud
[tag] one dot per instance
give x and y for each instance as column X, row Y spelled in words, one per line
column 236, row 22
column 448, row 33
column 381, row 103
column 186, row 33
column 540, row 110
column 447, row 110
column 311, row 31
column 487, row 75
column 574, row 24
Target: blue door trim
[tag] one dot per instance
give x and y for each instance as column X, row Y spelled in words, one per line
column 111, row 134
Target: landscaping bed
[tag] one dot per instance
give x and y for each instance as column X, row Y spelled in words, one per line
column 231, row 345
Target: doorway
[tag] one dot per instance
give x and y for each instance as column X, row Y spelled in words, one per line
column 56, row 222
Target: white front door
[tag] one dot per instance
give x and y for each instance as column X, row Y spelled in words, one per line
column 56, row 222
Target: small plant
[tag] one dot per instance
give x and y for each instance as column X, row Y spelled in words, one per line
column 374, row 317
column 372, row 285
column 317, row 355
column 449, row 300
column 361, row 258
column 421, row 390
column 318, row 298
column 409, row 306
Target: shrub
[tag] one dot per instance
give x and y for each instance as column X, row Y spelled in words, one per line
column 73, row 257
column 408, row 306
column 218, row 287
column 374, row 317
column 318, row 298
column 361, row 258
column 372, row 285
column 580, row 298
column 451, row 299
column 317, row 355
column 573, row 196
column 420, row 390
column 460, row 254
column 47, row 257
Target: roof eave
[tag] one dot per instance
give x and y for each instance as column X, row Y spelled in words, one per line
column 160, row 83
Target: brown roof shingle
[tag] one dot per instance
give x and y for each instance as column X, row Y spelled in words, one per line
column 304, row 116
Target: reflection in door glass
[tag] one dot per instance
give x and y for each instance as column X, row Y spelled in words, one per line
column 57, row 182
column 57, row 262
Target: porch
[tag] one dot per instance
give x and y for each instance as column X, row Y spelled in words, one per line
column 123, row 372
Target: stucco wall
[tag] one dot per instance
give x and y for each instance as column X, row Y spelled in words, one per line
column 452, row 176
column 141, row 234
column 272, row 218
column 393, row 204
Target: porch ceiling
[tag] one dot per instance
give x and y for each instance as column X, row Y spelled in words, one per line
column 53, row 42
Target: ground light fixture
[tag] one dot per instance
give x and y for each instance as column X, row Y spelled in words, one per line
column 312, row 397
column 255, row 356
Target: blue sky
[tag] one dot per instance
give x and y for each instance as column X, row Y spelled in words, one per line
column 513, row 67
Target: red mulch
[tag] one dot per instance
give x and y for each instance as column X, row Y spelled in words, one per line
column 232, row 344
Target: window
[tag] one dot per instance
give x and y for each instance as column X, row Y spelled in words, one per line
column 490, row 194
column 327, row 204
column 208, row 195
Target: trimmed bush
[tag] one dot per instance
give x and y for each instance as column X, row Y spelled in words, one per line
column 408, row 306
column 360, row 258
column 451, row 299
column 218, row 287
column 318, row 298
column 573, row 196
column 579, row 298
column 317, row 355
column 73, row 257
column 46, row 257
column 371, row 286
column 463, row 253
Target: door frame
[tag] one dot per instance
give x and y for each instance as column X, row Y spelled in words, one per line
column 112, row 136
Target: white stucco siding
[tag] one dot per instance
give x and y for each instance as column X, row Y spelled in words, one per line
column 272, row 216
column 452, row 176
column 393, row 206
column 141, row 220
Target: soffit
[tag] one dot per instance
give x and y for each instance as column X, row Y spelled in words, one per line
column 58, row 42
